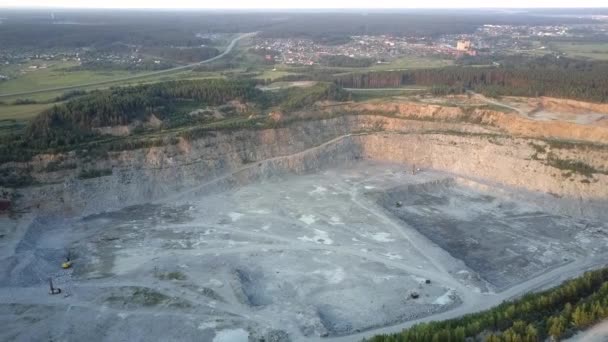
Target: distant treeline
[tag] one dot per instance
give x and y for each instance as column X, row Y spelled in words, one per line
column 72, row 29
column 556, row 313
column 106, row 65
column 579, row 80
column 345, row 61
column 334, row 28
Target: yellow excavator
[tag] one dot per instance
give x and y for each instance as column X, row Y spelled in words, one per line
column 67, row 263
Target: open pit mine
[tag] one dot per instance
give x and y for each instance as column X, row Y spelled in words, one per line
column 331, row 227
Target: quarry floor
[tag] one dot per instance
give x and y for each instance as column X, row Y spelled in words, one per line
column 337, row 255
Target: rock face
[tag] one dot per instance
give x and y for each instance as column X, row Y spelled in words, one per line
column 505, row 122
column 501, row 150
column 572, row 106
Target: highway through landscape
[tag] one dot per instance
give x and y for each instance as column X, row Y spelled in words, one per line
column 129, row 78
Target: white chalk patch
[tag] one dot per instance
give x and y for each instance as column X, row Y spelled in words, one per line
column 379, row 280
column 369, row 187
column 393, row 256
column 233, row 243
column 235, row 216
column 382, row 237
column 445, row 299
column 419, row 279
column 308, row 219
column 266, row 227
column 364, row 250
column 319, row 190
column 233, row 335
column 260, row 211
column 214, row 283
column 335, row 220
column 333, row 277
column 585, row 240
column 355, row 239
column 123, row 315
column 320, row 237
column 207, row 325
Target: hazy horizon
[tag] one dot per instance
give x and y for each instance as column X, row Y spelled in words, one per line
column 312, row 5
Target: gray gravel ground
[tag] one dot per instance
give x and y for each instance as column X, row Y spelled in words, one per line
column 288, row 258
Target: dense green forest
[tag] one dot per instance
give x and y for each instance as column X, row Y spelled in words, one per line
column 71, row 122
column 345, row 61
column 556, row 313
column 295, row 98
column 66, row 125
column 565, row 78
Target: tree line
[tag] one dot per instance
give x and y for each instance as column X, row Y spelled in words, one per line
column 68, row 124
column 295, row 98
column 580, row 80
column 346, row 61
column 556, row 313
column 74, row 121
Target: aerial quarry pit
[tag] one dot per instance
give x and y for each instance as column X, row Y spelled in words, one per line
column 336, row 228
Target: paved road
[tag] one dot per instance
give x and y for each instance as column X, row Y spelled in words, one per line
column 128, row 78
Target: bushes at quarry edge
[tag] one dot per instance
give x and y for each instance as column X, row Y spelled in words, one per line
column 557, row 313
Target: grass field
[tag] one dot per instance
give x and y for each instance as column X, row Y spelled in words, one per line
column 369, row 94
column 270, row 74
column 54, row 75
column 47, row 99
column 411, row 62
column 407, row 62
column 597, row 51
column 21, row 112
column 11, row 126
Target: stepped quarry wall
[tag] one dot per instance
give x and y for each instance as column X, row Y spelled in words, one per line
column 489, row 154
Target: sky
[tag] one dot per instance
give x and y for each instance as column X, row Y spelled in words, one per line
column 278, row 4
